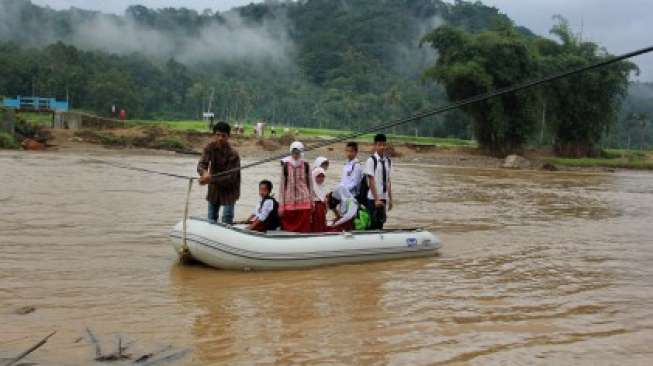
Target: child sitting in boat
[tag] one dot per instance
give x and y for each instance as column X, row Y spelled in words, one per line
column 266, row 212
column 344, row 205
column 318, row 221
column 295, row 193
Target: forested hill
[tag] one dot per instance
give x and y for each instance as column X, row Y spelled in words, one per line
column 328, row 63
column 315, row 62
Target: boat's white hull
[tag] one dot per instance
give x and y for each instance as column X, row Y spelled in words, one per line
column 227, row 247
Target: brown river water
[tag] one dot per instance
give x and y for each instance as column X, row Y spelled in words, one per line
column 537, row 268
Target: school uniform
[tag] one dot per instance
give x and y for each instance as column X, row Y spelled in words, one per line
column 352, row 174
column 266, row 213
column 347, row 208
column 319, row 217
column 295, row 196
column 381, row 169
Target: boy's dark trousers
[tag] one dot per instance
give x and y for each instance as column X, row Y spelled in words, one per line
column 377, row 214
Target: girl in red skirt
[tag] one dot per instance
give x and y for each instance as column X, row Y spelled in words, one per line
column 295, row 202
column 318, row 224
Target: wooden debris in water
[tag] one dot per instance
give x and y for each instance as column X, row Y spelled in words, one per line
column 38, row 345
column 147, row 356
column 162, row 356
column 172, row 357
column 94, row 341
column 24, row 310
column 119, row 355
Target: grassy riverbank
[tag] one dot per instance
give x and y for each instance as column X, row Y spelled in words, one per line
column 299, row 132
column 312, row 133
column 613, row 158
column 189, row 134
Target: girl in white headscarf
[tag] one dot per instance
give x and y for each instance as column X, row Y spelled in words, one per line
column 318, row 222
column 321, row 162
column 295, row 192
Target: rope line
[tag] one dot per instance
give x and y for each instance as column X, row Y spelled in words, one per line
column 143, row 170
column 184, row 241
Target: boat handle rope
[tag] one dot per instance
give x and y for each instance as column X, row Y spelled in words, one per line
column 184, row 251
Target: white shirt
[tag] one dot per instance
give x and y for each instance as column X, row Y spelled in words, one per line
column 378, row 176
column 262, row 212
column 348, row 207
column 352, row 173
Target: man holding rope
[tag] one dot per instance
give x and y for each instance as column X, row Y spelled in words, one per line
column 224, row 190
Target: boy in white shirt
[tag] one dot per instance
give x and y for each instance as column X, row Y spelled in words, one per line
column 352, row 172
column 378, row 171
column 266, row 213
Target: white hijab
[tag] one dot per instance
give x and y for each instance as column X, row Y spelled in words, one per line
column 320, row 190
column 289, row 159
column 319, row 161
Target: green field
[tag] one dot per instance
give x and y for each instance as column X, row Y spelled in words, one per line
column 312, row 133
column 613, row 158
column 45, row 119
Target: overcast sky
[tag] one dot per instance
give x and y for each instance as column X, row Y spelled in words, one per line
column 620, row 26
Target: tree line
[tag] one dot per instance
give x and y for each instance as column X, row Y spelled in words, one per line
column 351, row 64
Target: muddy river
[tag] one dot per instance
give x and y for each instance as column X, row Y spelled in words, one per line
column 537, row 268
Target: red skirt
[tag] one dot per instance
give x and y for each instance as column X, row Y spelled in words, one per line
column 296, row 221
column 347, row 226
column 260, row 227
column 318, row 221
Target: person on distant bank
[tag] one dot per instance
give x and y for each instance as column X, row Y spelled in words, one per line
column 224, row 190
column 266, row 213
column 295, row 192
column 378, row 169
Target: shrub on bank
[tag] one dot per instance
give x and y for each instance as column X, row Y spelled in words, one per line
column 7, row 141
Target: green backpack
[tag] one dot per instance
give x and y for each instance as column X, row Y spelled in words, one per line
column 363, row 220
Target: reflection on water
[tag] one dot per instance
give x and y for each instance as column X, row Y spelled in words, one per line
column 537, row 268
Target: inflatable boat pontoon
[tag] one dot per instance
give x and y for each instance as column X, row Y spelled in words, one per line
column 234, row 247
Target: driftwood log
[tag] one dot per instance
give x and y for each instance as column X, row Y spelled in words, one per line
column 30, row 350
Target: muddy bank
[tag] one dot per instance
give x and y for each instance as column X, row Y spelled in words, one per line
column 161, row 140
column 167, row 141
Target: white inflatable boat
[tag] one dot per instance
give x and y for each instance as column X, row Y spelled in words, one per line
column 234, row 247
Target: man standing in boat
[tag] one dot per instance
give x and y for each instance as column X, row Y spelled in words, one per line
column 224, row 190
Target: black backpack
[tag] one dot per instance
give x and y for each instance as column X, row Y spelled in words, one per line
column 364, row 185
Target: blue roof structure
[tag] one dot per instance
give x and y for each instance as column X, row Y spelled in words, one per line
column 36, row 104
